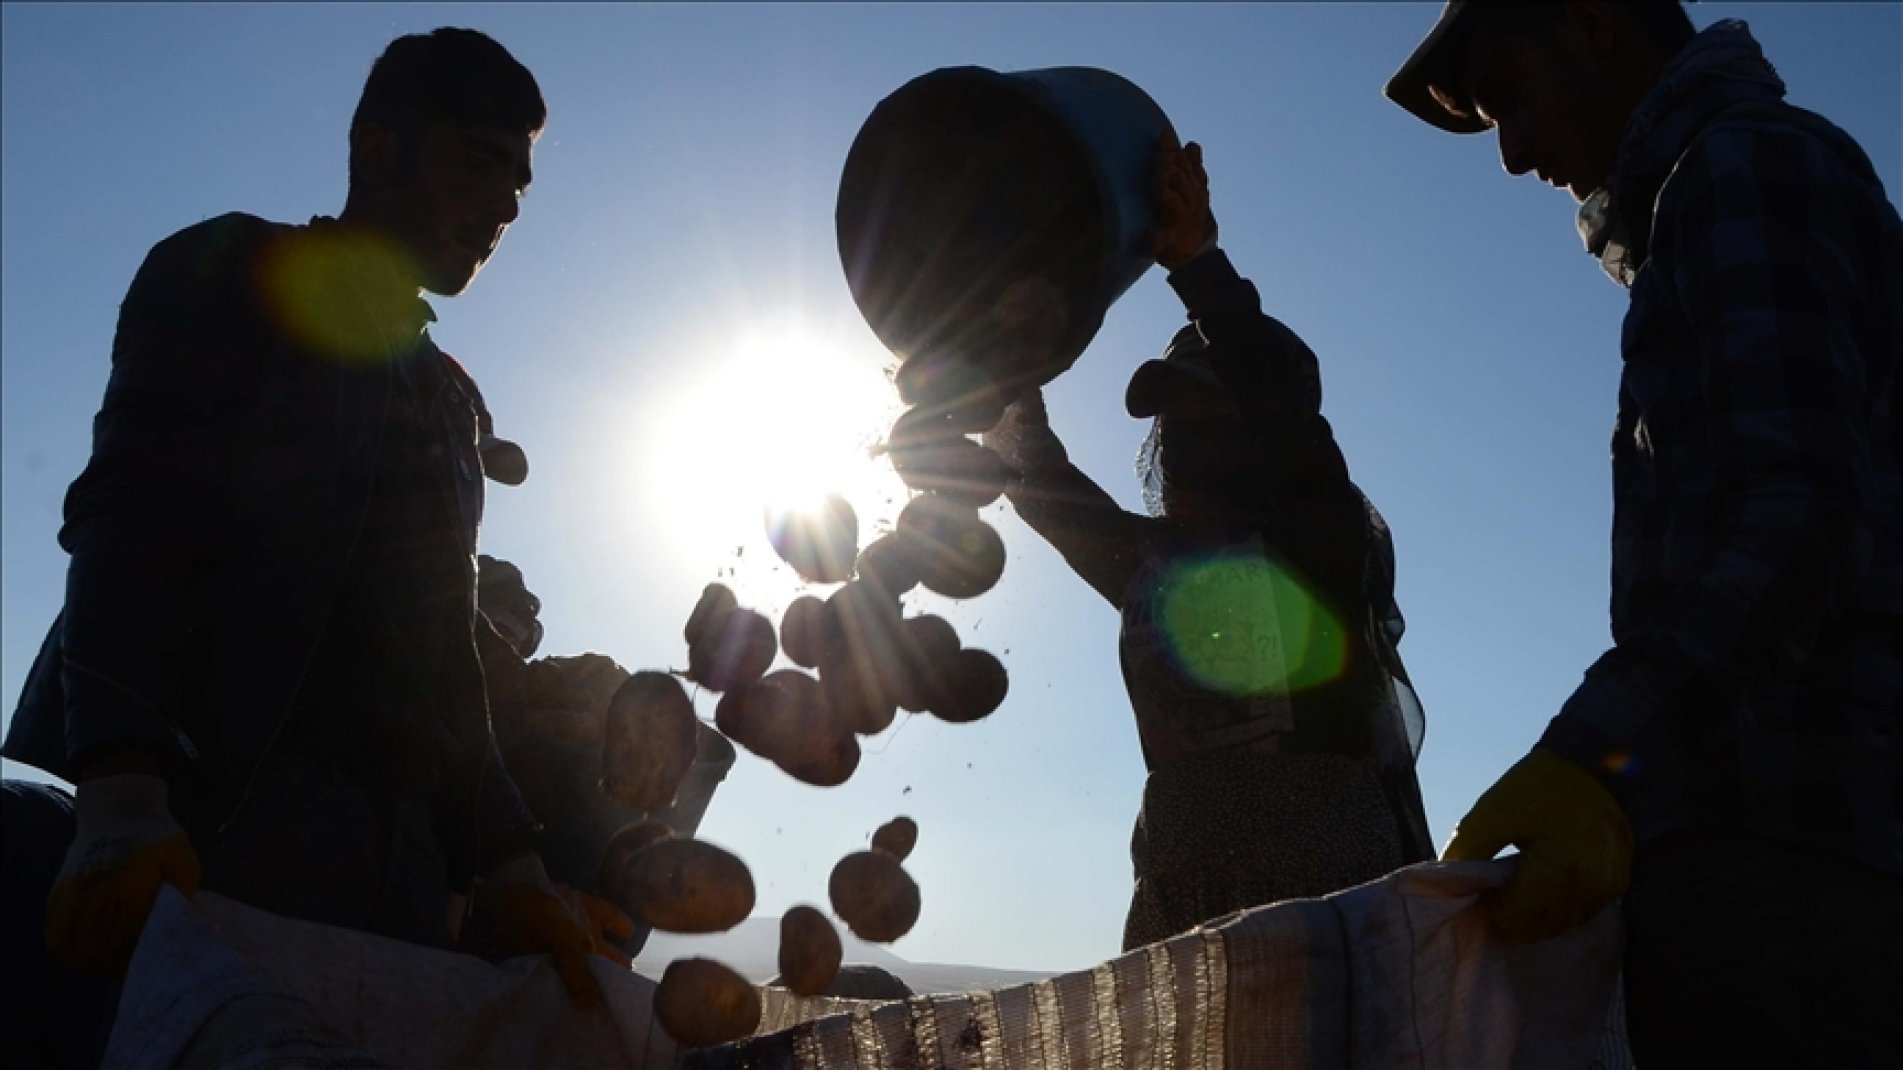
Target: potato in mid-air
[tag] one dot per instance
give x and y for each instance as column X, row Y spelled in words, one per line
column 896, row 837
column 888, row 566
column 702, row 1003
column 858, row 687
column 952, row 387
column 829, row 765
column 974, row 686
column 652, row 737
column 958, row 554
column 687, row 886
column 803, row 630
column 611, row 874
column 734, row 652
column 959, row 469
column 928, row 644
column 820, row 543
column 716, row 601
column 874, row 896
column 810, row 951
column 862, row 657
column 781, row 715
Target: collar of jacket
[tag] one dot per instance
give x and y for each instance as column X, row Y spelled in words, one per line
column 1721, row 68
column 381, row 285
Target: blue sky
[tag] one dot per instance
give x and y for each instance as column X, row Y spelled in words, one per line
column 651, row 327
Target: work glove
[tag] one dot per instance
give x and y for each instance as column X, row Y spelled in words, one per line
column 1185, row 225
column 1575, row 846
column 124, row 846
column 531, row 917
column 603, row 919
column 1023, row 437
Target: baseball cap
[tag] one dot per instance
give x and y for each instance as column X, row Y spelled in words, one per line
column 1425, row 83
column 1183, row 368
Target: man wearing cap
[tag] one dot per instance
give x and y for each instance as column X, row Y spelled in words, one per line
column 1738, row 754
column 265, row 678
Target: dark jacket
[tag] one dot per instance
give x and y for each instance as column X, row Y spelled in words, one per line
column 232, row 467
column 1757, row 551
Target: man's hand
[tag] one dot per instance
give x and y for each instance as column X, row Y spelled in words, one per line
column 1185, row 226
column 1575, row 846
column 126, row 845
column 532, row 917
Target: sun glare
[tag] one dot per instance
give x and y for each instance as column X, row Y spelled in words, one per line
column 782, row 420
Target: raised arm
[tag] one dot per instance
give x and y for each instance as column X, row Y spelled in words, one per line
column 1102, row 542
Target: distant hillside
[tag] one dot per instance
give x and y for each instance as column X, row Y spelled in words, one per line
column 753, row 948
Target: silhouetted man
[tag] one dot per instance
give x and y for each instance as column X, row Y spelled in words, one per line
column 1746, row 730
column 265, row 679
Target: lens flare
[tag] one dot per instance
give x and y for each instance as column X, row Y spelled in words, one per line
column 344, row 294
column 1244, row 625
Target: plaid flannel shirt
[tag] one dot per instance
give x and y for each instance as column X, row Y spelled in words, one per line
column 1756, row 680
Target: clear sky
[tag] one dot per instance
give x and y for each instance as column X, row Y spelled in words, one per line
column 667, row 325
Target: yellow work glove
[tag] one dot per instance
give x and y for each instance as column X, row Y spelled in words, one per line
column 1575, row 846
column 604, row 920
column 124, row 846
column 532, row 918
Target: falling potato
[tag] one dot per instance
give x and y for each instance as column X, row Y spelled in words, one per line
column 862, row 657
column 889, row 566
column 928, row 644
column 802, row 630
column 959, row 555
column 737, row 714
column 734, row 652
column 896, row 837
column 827, row 765
column 952, row 386
column 687, row 886
column 781, row 717
column 922, row 425
column 702, row 1003
column 858, row 687
column 974, row 686
column 652, row 736
column 959, row 469
column 874, row 896
column 820, row 543
column 611, row 874
column 716, row 601
column 810, row 951
column 857, row 614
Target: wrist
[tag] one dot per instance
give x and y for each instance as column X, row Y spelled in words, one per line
column 524, row 868
column 120, row 799
column 116, row 763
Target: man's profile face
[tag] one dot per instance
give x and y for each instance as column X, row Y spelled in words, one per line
column 1554, row 109
column 462, row 186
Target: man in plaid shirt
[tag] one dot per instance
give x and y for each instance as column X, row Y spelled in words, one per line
column 1746, row 730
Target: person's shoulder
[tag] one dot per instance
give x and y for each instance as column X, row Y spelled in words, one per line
column 234, row 235
column 1781, row 141
column 214, row 254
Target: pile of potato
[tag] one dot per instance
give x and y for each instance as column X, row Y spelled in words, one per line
column 859, row 660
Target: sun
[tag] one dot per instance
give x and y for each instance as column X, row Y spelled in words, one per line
column 786, row 416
